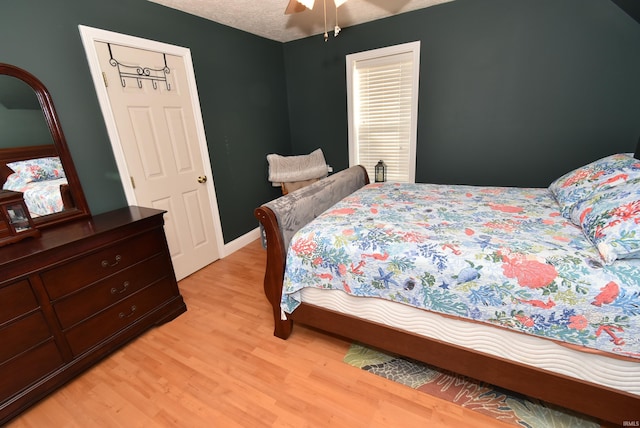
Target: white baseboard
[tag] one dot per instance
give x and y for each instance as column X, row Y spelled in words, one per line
column 236, row 244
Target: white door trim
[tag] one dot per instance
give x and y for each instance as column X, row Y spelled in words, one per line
column 91, row 35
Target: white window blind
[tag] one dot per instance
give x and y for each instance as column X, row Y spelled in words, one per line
column 383, row 110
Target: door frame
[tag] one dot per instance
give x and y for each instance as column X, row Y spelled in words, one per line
column 89, row 36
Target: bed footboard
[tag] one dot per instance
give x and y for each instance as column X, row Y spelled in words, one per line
column 283, row 217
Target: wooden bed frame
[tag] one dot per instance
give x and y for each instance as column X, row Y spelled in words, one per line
column 14, row 154
column 607, row 405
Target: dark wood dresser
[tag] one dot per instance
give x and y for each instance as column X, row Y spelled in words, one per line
column 77, row 293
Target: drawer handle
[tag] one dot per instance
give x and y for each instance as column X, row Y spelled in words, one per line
column 123, row 315
column 125, row 285
column 105, row 263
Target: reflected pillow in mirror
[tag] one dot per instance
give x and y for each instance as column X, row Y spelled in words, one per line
column 39, row 169
column 15, row 182
column 582, row 182
column 33, row 170
column 610, row 219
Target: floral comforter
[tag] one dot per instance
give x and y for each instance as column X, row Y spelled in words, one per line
column 503, row 256
column 43, row 197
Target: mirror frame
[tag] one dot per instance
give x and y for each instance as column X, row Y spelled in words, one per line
column 51, row 118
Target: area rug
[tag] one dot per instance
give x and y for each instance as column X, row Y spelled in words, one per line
column 503, row 405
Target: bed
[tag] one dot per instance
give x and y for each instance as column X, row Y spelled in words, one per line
column 37, row 172
column 533, row 290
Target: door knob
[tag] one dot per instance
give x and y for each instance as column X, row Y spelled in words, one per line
column 202, row 179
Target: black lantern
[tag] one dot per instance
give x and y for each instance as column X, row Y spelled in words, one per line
column 381, row 172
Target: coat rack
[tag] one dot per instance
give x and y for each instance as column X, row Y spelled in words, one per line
column 140, row 73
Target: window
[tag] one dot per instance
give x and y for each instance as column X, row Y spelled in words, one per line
column 382, row 102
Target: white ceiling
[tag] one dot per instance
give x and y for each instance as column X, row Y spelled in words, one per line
column 266, row 18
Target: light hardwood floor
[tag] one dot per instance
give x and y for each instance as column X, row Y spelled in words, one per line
column 219, row 365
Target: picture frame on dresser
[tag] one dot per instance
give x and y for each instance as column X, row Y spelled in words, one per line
column 15, row 222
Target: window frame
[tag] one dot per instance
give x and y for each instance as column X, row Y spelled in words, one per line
column 351, row 60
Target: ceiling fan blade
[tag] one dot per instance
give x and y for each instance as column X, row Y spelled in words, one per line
column 294, row 7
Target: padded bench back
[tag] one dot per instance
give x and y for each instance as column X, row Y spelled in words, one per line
column 296, row 209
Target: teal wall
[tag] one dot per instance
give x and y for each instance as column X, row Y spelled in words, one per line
column 240, row 79
column 512, row 92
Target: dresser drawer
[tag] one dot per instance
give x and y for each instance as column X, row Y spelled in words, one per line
column 16, row 299
column 18, row 373
column 23, row 334
column 77, row 274
column 108, row 322
column 90, row 300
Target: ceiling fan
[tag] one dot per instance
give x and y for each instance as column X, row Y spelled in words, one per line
column 296, row 6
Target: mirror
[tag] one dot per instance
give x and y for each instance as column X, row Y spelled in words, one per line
column 34, row 157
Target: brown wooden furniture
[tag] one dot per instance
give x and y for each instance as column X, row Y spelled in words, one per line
column 15, row 221
column 75, row 295
column 19, row 85
column 588, row 398
column 87, row 285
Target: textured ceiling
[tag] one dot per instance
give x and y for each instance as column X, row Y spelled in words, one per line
column 266, row 18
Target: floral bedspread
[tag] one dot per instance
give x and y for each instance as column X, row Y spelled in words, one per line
column 43, row 197
column 503, row 256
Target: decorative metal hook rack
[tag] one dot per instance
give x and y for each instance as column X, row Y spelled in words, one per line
column 140, row 73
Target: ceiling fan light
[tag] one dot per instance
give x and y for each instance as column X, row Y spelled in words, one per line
column 308, row 3
column 338, row 2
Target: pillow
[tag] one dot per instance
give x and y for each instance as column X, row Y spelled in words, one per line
column 288, row 169
column 39, row 169
column 582, row 182
column 610, row 219
column 16, row 182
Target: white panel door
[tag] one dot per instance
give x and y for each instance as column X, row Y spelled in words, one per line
column 151, row 105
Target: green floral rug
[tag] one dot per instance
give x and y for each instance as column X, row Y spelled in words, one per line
column 501, row 404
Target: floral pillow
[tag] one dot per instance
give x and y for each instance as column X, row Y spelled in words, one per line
column 582, row 182
column 15, row 182
column 31, row 170
column 610, row 219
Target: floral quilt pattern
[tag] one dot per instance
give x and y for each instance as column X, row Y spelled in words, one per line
column 498, row 255
column 43, row 197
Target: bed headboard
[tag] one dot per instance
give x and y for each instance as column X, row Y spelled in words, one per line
column 296, row 209
column 283, row 217
column 22, row 153
column 637, row 154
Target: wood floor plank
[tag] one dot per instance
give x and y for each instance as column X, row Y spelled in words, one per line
column 219, row 365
